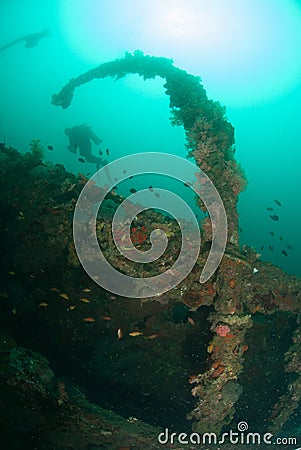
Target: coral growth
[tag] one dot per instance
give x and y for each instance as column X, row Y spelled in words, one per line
column 210, row 137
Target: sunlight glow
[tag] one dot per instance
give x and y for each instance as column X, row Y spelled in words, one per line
column 245, row 51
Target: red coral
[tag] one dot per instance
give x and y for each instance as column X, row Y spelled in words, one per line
column 222, row 330
column 138, row 235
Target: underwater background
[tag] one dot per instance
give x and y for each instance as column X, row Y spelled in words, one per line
column 234, row 340
column 247, row 54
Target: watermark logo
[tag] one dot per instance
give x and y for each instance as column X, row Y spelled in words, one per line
column 240, row 436
column 91, row 198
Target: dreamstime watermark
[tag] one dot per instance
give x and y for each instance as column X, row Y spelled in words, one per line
column 91, row 198
column 239, row 436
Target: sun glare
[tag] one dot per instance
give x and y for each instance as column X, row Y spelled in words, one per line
column 245, row 51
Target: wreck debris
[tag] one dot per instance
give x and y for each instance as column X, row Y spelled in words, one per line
column 244, row 290
column 210, row 137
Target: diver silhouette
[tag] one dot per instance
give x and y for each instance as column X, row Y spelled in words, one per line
column 80, row 137
column 31, row 40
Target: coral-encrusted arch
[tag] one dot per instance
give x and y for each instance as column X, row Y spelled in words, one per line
column 210, row 137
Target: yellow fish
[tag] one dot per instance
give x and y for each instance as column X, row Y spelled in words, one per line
column 65, row 296
column 85, row 300
column 135, row 333
column 43, row 304
column 54, row 289
column 119, row 333
column 86, row 290
column 71, row 307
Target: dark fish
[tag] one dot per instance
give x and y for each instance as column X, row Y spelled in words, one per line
column 240, row 229
column 271, row 248
column 289, row 247
column 133, row 190
column 277, row 202
column 272, row 233
column 151, row 188
column 270, row 208
column 262, row 247
column 274, row 217
column 50, row 147
column 124, row 171
column 157, row 194
column 281, row 238
column 186, row 184
column 100, row 153
column 131, row 177
column 82, row 160
column 284, row 252
column 107, row 151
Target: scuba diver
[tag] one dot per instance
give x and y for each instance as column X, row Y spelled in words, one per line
column 80, row 137
column 31, row 40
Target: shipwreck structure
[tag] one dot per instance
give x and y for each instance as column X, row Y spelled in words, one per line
column 205, row 356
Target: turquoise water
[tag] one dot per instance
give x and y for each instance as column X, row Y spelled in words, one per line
column 248, row 56
column 257, row 81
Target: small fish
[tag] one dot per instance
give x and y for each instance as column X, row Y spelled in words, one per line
column 281, row 238
column 289, row 247
column 54, row 289
column 119, row 333
column 107, row 151
column 277, row 202
column 270, row 208
column 133, row 190
column 240, row 229
column 71, row 307
column 89, row 319
column 50, row 147
column 152, row 336
column 131, row 177
column 65, row 296
column 272, row 233
column 43, row 304
column 151, row 188
column 157, row 194
column 106, row 318
column 191, row 321
column 85, row 300
column 82, row 160
column 274, row 217
column 135, row 333
column 284, row 252
column 100, row 153
column 124, row 171
column 86, row 290
column 262, row 247
column 12, row 273
column 271, row 248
